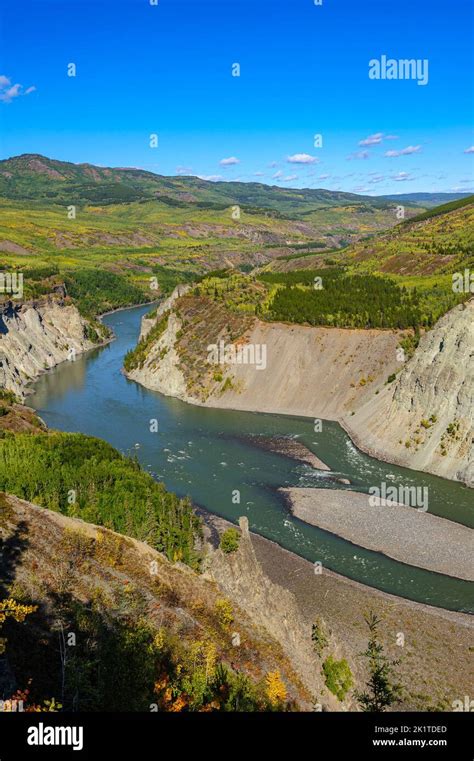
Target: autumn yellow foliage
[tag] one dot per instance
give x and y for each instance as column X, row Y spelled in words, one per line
column 225, row 614
column 275, row 688
column 10, row 608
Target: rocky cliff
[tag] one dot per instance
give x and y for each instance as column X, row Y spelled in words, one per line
column 161, row 371
column 275, row 609
column 422, row 420
column 34, row 337
column 425, row 419
column 162, row 308
column 321, row 372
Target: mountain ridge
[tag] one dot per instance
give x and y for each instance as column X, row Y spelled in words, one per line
column 146, row 183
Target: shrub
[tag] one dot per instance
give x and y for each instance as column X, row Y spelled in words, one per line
column 318, row 636
column 224, row 611
column 230, row 540
column 338, row 676
column 227, row 385
column 8, row 396
column 275, row 689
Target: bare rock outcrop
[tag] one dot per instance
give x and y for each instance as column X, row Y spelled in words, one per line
column 425, row 419
column 275, row 609
column 160, row 370
column 35, row 337
column 164, row 306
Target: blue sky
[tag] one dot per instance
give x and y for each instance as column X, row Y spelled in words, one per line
column 167, row 69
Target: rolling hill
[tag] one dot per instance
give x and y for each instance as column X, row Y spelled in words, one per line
column 115, row 231
column 436, row 242
column 32, row 176
column 58, row 219
column 425, row 199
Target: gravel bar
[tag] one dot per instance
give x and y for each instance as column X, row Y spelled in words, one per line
column 403, row 533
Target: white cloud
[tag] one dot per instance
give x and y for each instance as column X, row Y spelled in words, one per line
column 372, row 139
column 377, row 178
column 8, row 91
column 360, row 189
column 302, row 158
column 230, row 161
column 277, row 175
column 259, row 174
column 324, row 176
column 404, row 151
column 377, row 138
column 184, row 170
column 290, row 178
column 358, row 155
column 470, row 149
column 12, row 92
column 211, row 177
column 402, row 177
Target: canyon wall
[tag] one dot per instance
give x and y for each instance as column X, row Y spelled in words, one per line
column 425, row 419
column 422, row 420
column 35, row 337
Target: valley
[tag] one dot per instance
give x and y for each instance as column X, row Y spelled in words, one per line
column 343, row 360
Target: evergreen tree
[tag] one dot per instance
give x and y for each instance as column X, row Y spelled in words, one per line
column 382, row 691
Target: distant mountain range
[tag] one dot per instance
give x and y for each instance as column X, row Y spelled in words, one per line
column 425, row 199
column 35, row 177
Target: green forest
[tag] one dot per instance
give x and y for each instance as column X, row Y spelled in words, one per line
column 336, row 298
column 84, row 477
column 96, row 291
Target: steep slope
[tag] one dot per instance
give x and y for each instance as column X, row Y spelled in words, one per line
column 425, row 419
column 434, row 243
column 123, row 600
column 100, row 585
column 320, row 372
column 34, row 337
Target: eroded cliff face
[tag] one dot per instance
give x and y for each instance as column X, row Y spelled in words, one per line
column 148, row 322
column 320, row 372
column 275, row 609
column 161, row 371
column 35, row 337
column 425, row 419
column 317, row 372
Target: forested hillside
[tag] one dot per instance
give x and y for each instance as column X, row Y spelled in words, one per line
column 61, row 221
column 84, row 477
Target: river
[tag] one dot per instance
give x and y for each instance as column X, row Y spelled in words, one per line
column 204, row 453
